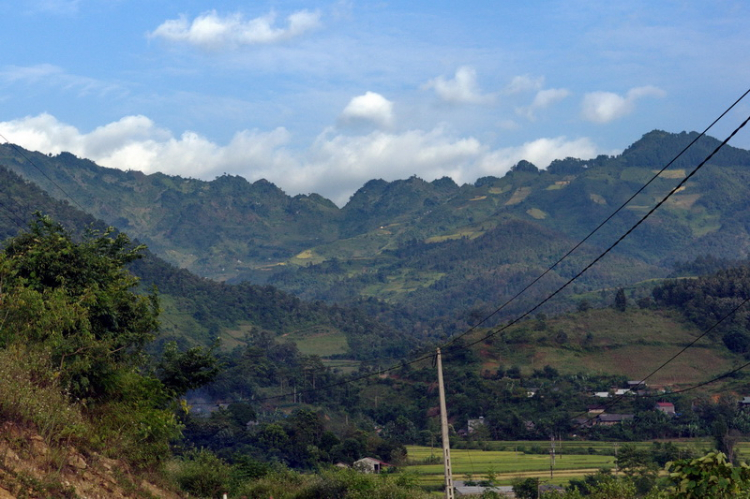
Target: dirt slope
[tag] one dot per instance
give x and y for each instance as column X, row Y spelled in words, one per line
column 30, row 468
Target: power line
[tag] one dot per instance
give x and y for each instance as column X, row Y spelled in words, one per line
column 618, row 241
column 539, row 304
column 565, row 285
column 716, row 324
column 601, row 224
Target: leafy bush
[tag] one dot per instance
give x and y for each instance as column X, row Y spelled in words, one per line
column 72, row 337
column 203, row 474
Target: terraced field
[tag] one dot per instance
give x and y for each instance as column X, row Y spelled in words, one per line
column 512, row 462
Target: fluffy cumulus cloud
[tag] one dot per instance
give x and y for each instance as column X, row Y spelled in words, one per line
column 541, row 152
column 603, row 107
column 369, row 108
column 543, row 100
column 353, row 160
column 136, row 143
column 334, row 165
column 213, row 31
column 461, row 89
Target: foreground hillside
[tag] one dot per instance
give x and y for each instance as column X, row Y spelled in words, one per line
column 78, row 388
column 31, row 466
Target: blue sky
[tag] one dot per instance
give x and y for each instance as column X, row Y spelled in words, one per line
column 323, row 96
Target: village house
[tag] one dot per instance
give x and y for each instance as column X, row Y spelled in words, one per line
column 605, row 419
column 473, row 424
column 370, row 465
column 665, row 407
column 595, row 409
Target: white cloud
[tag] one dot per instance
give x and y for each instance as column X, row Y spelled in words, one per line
column 136, row 143
column 541, row 152
column 29, row 74
column 462, row 89
column 55, row 76
column 353, row 160
column 370, row 107
column 603, row 107
column 543, row 100
column 212, row 31
column 334, row 165
column 546, row 98
column 524, row 83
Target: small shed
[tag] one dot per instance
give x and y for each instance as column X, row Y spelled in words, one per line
column 473, row 424
column 665, row 407
column 612, row 419
column 476, row 490
column 370, row 465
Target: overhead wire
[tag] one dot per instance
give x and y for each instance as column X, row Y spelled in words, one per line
column 570, row 281
column 533, row 282
column 600, row 225
column 618, row 241
column 619, row 398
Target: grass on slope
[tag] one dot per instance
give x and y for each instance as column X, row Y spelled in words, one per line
column 604, row 341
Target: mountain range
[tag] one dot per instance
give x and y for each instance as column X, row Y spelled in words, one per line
column 429, row 258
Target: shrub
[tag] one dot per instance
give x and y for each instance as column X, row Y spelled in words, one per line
column 203, row 474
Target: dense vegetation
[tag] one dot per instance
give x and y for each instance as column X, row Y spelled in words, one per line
column 413, row 262
column 72, row 354
column 433, row 255
column 718, row 299
column 196, row 311
column 71, row 310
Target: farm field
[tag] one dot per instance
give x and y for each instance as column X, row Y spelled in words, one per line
column 505, row 465
column 508, row 460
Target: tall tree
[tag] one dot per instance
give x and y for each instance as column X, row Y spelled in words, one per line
column 78, row 299
column 621, row 301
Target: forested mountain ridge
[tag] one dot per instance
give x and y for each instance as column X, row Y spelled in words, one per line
column 434, row 250
column 197, row 310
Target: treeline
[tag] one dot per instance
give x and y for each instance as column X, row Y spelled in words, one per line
column 216, row 305
column 201, row 308
column 715, row 301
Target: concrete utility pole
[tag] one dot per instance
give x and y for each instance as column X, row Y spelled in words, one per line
column 616, row 467
column 552, row 458
column 444, row 426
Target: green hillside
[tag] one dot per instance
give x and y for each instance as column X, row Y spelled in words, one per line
column 421, row 260
column 432, row 254
column 199, row 311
